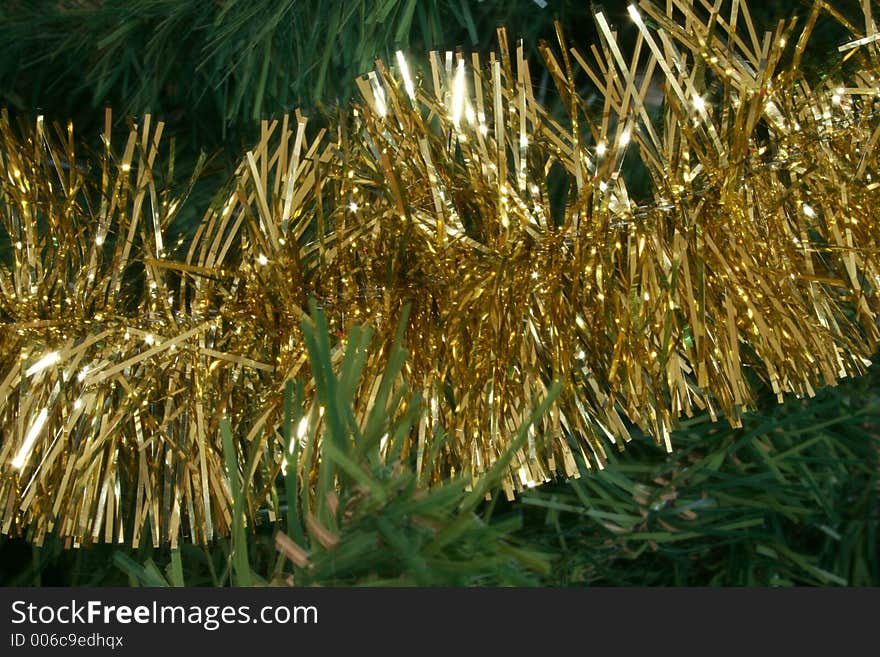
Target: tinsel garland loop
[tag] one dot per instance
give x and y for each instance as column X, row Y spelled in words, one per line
column 751, row 262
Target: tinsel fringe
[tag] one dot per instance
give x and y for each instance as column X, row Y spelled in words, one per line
column 751, row 263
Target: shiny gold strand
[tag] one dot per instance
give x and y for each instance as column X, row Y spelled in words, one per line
column 752, row 263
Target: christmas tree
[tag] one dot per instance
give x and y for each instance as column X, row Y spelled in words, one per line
column 426, row 315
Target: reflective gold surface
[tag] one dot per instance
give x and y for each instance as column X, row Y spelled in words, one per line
column 751, row 262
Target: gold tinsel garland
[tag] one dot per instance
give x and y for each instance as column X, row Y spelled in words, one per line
column 752, row 263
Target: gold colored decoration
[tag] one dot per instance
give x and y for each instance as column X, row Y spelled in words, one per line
column 750, row 261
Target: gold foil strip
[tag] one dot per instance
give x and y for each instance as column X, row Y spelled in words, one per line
column 750, row 261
